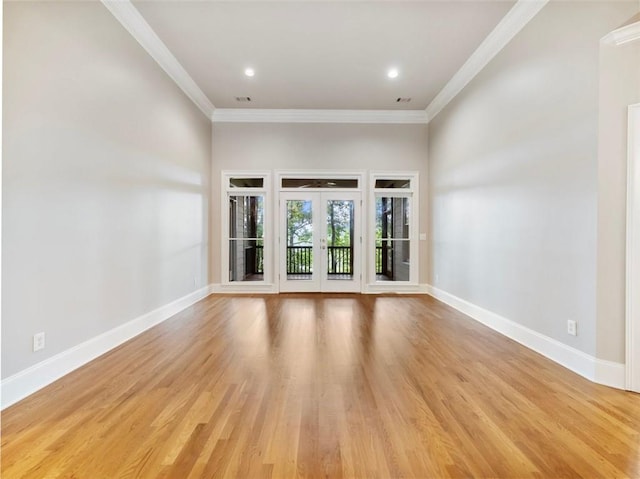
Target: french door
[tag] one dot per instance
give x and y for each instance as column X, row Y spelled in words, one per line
column 320, row 241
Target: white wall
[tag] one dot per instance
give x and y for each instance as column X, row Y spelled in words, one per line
column 105, row 181
column 334, row 147
column 513, row 166
column 619, row 87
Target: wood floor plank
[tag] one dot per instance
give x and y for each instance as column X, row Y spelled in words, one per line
column 322, row 385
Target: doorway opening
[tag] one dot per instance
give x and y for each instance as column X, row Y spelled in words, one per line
column 320, row 241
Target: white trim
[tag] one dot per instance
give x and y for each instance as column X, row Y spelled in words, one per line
column 266, row 192
column 607, row 373
column 413, row 193
column 26, row 382
column 136, row 25
column 519, row 15
column 247, row 115
column 396, row 288
column 1, row 130
column 633, row 251
column 626, row 34
column 514, row 21
column 597, row 370
column 279, row 175
column 247, row 287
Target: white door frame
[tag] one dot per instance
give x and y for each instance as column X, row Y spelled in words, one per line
column 633, row 252
column 320, row 174
column 319, row 281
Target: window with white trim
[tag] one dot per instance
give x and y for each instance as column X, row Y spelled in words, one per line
column 393, row 234
column 246, row 252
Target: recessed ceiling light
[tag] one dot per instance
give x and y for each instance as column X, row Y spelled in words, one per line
column 392, row 73
column 249, row 72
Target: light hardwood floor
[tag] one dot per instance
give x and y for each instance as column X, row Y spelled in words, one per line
column 322, row 386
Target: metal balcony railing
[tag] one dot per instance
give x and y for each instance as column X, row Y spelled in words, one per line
column 339, row 260
column 300, row 259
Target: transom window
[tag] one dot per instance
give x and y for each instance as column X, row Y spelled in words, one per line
column 320, row 183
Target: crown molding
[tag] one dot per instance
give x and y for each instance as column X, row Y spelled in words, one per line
column 514, row 21
column 136, row 25
column 521, row 13
column 626, row 34
column 247, row 115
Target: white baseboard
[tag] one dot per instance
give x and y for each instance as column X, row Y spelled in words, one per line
column 597, row 370
column 609, row 373
column 26, row 382
column 30, row 380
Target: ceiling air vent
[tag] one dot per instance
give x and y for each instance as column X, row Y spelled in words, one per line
column 403, row 100
column 243, row 99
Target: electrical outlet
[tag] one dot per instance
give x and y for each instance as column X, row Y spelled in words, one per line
column 572, row 327
column 195, row 282
column 437, row 278
column 38, row 341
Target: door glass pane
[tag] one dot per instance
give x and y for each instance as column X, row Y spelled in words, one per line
column 246, row 260
column 340, row 240
column 299, row 239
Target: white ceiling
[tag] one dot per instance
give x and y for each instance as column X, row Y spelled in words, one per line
column 322, row 55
